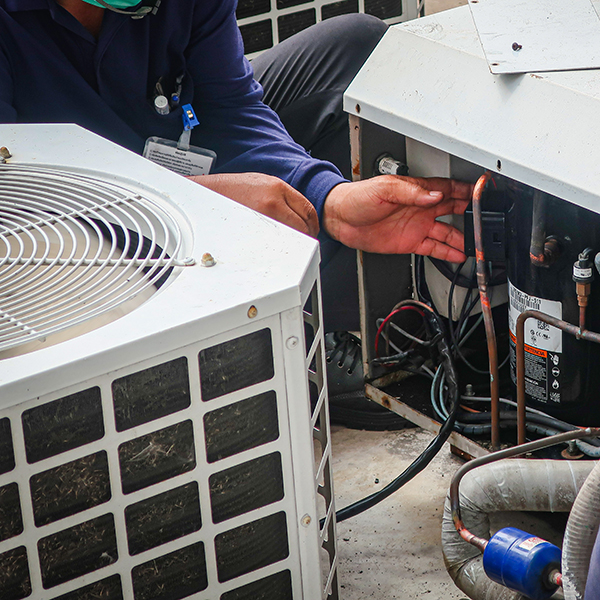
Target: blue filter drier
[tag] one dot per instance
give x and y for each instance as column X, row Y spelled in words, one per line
column 522, row 562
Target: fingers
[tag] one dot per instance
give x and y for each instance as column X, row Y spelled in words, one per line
column 435, row 249
column 451, row 188
column 444, row 242
column 427, row 192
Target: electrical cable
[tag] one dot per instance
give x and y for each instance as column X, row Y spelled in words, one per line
column 462, row 281
column 436, row 325
column 400, row 330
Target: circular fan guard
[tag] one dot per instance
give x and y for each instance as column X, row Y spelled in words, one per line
column 74, row 248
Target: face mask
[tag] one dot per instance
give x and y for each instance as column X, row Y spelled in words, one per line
column 120, row 6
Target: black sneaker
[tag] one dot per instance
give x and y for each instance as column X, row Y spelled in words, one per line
column 348, row 404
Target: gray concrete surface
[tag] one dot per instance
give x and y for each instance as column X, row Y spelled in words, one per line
column 392, row 550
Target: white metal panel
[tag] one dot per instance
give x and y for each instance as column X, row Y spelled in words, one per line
column 259, row 261
column 260, row 264
column 546, row 35
column 429, row 80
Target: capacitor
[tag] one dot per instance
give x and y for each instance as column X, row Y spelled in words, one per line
column 522, row 562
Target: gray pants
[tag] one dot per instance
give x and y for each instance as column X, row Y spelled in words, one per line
column 304, row 79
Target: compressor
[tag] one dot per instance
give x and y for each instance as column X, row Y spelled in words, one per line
column 550, row 248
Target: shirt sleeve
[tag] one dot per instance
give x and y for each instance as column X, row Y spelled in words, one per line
column 8, row 114
column 235, row 123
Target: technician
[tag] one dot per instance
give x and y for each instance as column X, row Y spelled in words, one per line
column 124, row 69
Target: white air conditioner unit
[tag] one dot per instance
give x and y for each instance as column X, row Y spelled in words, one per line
column 157, row 439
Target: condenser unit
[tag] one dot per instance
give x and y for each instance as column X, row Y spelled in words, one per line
column 429, row 98
column 163, row 418
column 264, row 23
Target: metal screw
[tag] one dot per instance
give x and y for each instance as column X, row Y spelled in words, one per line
column 469, row 391
column 516, row 46
column 306, row 520
column 292, row 342
column 208, row 260
column 188, row 261
column 252, row 312
column 5, row 152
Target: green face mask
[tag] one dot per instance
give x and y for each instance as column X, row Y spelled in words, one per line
column 121, row 6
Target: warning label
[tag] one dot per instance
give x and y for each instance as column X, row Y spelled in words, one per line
column 531, row 543
column 543, row 346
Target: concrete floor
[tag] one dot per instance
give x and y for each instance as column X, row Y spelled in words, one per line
column 392, row 550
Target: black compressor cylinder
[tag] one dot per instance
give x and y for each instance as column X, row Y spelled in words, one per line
column 551, row 244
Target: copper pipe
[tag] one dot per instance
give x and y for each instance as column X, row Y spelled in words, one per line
column 553, row 440
column 555, row 578
column 486, row 308
column 579, row 333
column 582, row 318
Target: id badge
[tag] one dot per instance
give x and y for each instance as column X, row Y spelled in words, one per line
column 169, row 154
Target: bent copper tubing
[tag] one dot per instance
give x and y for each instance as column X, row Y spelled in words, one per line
column 543, row 251
column 579, row 333
column 486, row 308
column 553, row 440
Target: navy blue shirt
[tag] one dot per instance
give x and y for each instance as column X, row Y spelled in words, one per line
column 52, row 70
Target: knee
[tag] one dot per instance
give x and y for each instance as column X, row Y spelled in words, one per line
column 358, row 32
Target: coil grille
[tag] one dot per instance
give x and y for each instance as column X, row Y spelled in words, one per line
column 73, row 249
column 264, row 23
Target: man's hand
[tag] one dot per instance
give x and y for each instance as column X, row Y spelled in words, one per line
column 267, row 195
column 397, row 215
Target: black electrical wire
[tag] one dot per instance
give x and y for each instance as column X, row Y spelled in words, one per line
column 498, row 279
column 466, row 418
column 468, row 302
column 451, row 329
column 437, row 331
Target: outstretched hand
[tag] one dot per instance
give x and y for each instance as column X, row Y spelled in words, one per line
column 397, row 215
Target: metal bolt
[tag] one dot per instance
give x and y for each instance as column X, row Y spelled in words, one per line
column 469, row 390
column 188, row 261
column 208, row 260
column 5, row 152
column 292, row 342
column 516, row 46
column 252, row 312
column 306, row 520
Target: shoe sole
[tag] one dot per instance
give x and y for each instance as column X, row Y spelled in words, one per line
column 367, row 420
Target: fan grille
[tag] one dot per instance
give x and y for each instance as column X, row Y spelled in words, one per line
column 74, row 248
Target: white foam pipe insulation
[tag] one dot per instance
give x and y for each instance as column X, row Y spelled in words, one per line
column 511, row 485
column 580, row 537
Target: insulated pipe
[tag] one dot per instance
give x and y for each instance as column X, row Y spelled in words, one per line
column 580, row 334
column 486, row 308
column 580, row 537
column 507, row 485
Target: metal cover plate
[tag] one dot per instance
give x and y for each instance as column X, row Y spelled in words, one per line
column 545, row 35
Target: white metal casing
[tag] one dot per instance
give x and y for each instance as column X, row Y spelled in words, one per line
column 260, row 264
column 429, row 80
